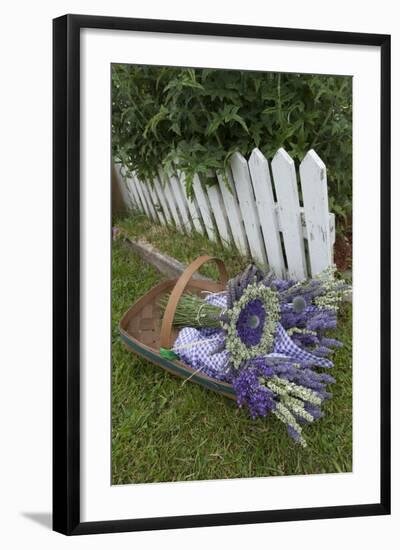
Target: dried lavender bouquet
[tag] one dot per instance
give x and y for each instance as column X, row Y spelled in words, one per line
column 267, row 337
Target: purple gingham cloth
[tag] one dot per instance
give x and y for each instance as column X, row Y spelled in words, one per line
column 285, row 346
column 196, row 347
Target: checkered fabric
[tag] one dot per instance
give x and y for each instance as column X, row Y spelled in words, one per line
column 216, row 299
column 197, row 347
column 285, row 346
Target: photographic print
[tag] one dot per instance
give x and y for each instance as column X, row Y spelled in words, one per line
column 231, row 274
column 221, row 333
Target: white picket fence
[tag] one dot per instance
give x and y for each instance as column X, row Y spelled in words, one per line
column 261, row 215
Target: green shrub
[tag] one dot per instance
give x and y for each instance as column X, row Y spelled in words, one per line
column 195, row 119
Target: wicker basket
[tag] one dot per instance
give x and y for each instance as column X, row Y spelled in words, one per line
column 144, row 331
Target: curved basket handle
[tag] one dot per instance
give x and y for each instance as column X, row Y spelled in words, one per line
column 179, row 288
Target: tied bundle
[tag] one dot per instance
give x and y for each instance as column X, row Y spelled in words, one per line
column 267, row 337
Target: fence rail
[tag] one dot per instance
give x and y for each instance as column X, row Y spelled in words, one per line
column 259, row 213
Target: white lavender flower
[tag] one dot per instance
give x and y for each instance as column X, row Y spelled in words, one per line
column 334, row 290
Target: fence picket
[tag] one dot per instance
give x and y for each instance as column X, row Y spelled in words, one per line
column 192, row 205
column 262, row 185
column 284, row 174
column 315, row 199
column 127, row 195
column 156, row 203
column 244, row 188
column 233, row 212
column 303, row 222
column 163, row 201
column 145, row 189
column 134, row 194
column 218, row 209
column 145, row 209
column 171, row 203
column 204, row 208
column 181, row 202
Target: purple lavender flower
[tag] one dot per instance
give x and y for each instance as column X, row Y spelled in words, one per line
column 293, row 433
column 322, row 351
column 250, row 324
column 251, row 392
column 331, row 342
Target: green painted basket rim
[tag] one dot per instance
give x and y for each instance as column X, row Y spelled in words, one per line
column 177, row 368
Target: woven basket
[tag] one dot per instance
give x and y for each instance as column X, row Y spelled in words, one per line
column 144, row 330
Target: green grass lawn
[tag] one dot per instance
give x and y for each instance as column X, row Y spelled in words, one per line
column 164, row 430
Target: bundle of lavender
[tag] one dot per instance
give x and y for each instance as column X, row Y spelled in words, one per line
column 267, row 337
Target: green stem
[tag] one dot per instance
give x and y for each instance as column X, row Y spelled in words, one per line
column 193, row 311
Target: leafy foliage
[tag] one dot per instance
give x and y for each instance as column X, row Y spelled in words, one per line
column 195, row 119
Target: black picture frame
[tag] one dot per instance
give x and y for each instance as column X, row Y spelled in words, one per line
column 66, row 273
